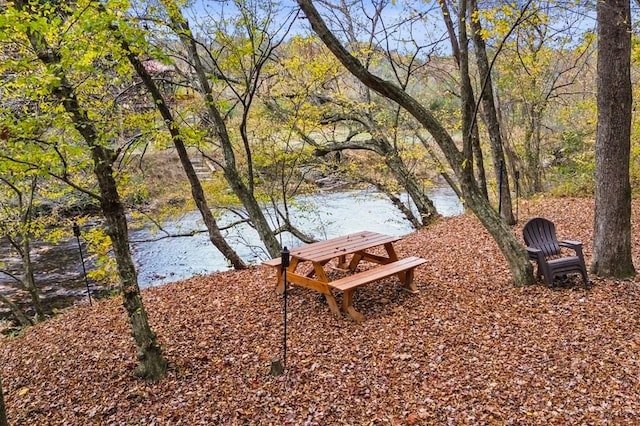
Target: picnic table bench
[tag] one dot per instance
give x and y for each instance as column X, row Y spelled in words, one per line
column 354, row 245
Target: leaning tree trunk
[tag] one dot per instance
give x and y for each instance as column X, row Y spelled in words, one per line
column 612, row 227
column 16, row 311
column 215, row 236
column 233, row 177
column 254, row 210
column 512, row 249
column 424, row 205
column 398, row 168
column 151, row 363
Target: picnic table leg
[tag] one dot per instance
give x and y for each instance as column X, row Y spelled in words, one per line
column 407, row 282
column 391, row 252
column 405, row 278
column 357, row 257
column 279, row 281
column 318, row 268
column 347, row 305
column 333, row 304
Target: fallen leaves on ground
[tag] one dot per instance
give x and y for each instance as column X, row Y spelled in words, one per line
column 470, row 348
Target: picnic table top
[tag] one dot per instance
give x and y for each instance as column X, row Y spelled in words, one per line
column 340, row 246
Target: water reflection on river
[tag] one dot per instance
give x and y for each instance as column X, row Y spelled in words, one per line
column 324, row 216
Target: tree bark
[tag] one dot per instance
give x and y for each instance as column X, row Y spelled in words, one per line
column 215, row 236
column 151, row 363
column 511, row 248
column 30, row 280
column 398, row 168
column 424, row 205
column 460, row 48
column 612, row 227
column 397, row 202
column 21, row 242
column 491, row 119
column 233, row 177
column 15, row 310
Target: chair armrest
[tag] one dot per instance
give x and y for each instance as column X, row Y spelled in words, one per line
column 571, row 244
column 535, row 253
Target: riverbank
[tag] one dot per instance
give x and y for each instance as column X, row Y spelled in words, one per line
column 161, row 259
column 470, row 348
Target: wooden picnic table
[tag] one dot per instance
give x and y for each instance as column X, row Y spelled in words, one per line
column 356, row 246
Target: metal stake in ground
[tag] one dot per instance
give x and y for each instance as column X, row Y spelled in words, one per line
column 277, row 366
column 285, row 265
column 76, row 232
column 500, row 190
column 517, row 176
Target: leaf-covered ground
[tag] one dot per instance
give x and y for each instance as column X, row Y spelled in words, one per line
column 470, row 348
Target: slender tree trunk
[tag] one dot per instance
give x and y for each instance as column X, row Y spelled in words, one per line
column 491, row 118
column 29, row 279
column 16, row 311
column 21, row 243
column 151, row 363
column 382, row 147
column 461, row 55
column 612, row 227
column 242, row 191
column 215, row 236
column 478, row 156
column 407, row 180
column 471, row 150
column 397, row 202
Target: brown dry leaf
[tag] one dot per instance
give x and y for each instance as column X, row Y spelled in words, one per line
column 470, row 348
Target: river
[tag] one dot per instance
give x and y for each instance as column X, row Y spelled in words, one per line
column 323, row 215
column 58, row 270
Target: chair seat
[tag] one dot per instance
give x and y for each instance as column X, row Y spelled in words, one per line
column 565, row 265
column 568, row 260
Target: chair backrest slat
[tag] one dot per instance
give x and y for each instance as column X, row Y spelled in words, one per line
column 540, row 233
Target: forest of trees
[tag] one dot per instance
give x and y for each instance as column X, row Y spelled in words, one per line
column 390, row 94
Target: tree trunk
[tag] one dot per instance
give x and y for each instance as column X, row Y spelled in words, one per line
column 460, row 50
column 397, row 202
column 511, row 248
column 491, row 119
column 424, row 205
column 233, row 177
column 22, row 244
column 254, row 210
column 478, row 156
column 398, row 168
column 471, row 151
column 215, row 236
column 151, row 363
column 612, row 227
column 29, row 280
column 15, row 310
column 3, row 408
